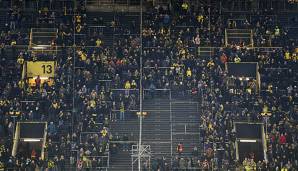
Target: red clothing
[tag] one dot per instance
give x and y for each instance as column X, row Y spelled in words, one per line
column 119, row 62
column 282, row 139
column 33, row 154
column 223, row 58
column 194, row 91
column 179, row 148
column 37, row 82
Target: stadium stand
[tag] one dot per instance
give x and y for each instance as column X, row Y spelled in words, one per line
column 84, row 83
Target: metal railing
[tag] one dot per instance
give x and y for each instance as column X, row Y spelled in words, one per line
column 96, row 162
column 226, row 6
column 24, row 46
column 30, row 5
column 238, row 35
column 246, row 6
column 113, row 5
column 112, row 2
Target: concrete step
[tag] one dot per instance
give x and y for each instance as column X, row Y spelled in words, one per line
column 120, row 161
column 156, row 130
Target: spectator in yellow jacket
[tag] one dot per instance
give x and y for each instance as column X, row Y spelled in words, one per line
column 122, row 111
column 127, row 86
column 188, row 73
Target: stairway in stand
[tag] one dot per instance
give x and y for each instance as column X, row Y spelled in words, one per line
column 121, row 161
column 169, row 121
column 157, row 127
column 186, row 126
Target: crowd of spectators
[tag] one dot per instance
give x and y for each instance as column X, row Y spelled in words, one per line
column 278, row 95
column 83, row 100
column 173, row 63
